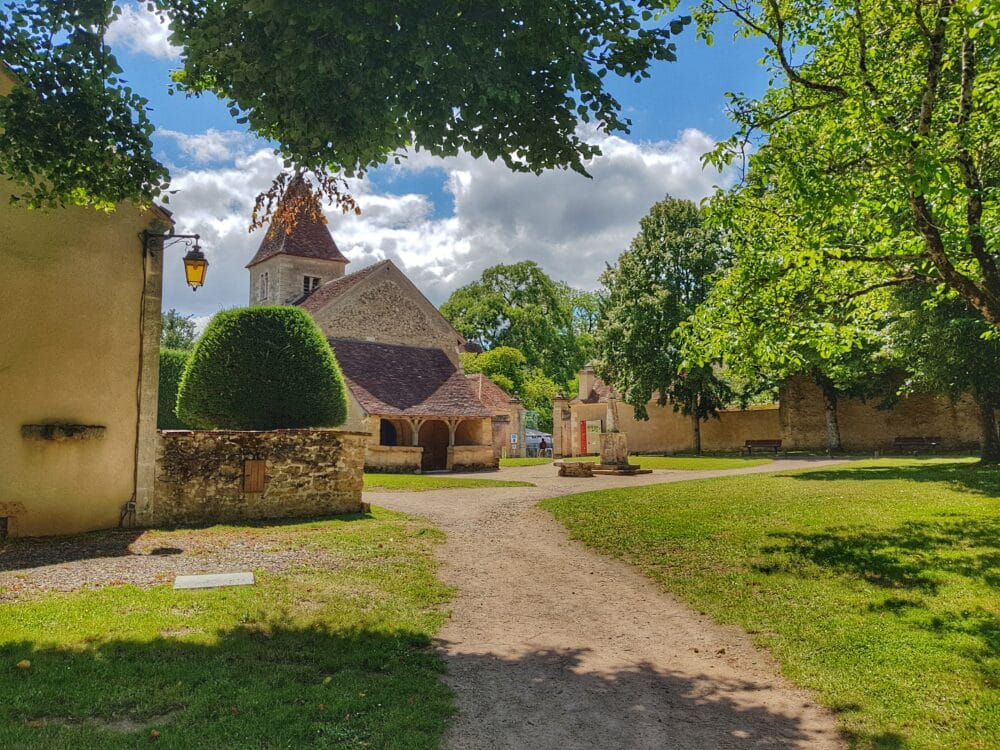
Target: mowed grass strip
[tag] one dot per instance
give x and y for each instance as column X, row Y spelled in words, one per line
column 524, row 461
column 875, row 584
column 687, row 463
column 424, row 482
column 336, row 655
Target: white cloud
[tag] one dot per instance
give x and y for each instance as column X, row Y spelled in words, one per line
column 212, row 145
column 567, row 223
column 138, row 30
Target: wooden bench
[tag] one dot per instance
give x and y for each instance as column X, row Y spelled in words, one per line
column 574, row 468
column 915, row 444
column 773, row 445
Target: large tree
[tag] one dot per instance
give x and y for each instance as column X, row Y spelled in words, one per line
column 652, row 289
column 878, row 137
column 940, row 344
column 177, row 331
column 518, row 305
column 769, row 319
column 339, row 87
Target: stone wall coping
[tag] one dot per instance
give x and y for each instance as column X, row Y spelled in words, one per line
column 396, row 448
column 284, row 431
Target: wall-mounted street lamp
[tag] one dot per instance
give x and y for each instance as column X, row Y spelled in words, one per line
column 195, row 263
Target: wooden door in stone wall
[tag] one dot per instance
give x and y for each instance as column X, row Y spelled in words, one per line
column 434, row 441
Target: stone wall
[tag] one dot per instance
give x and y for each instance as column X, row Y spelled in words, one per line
column 863, row 427
column 207, row 476
column 471, row 458
column 799, row 423
column 393, row 459
column 667, row 431
column 284, row 277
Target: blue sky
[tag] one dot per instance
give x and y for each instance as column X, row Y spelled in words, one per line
column 444, row 221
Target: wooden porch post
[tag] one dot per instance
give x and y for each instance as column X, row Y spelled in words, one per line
column 415, row 425
column 452, row 428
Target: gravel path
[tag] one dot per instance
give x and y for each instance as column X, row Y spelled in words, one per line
column 551, row 645
column 143, row 558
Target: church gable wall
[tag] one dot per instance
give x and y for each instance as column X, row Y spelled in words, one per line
column 389, row 312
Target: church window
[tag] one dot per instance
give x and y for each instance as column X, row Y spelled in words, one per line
column 309, row 284
column 262, row 292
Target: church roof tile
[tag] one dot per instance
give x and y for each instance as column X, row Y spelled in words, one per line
column 395, row 380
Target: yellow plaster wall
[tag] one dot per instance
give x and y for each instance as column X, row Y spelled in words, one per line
column 69, row 352
column 667, row 431
column 866, row 428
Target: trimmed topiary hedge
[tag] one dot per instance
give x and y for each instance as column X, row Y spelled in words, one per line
column 262, row 368
column 172, row 363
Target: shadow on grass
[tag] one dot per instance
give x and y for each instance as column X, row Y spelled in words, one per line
column 969, row 477
column 312, row 688
column 34, row 552
column 911, row 556
column 249, row 688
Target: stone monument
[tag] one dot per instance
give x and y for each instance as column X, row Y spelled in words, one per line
column 614, row 443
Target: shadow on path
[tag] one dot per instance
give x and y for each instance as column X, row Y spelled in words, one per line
column 554, row 699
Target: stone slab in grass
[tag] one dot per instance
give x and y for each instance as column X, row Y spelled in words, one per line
column 213, row 580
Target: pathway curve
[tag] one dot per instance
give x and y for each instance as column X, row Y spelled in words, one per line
column 553, row 646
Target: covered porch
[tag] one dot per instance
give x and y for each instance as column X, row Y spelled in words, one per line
column 419, row 444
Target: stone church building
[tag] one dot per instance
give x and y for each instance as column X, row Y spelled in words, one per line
column 399, row 355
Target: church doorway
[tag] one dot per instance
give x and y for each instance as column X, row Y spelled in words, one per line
column 434, row 441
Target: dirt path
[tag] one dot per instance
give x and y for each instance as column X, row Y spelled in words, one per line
column 551, row 645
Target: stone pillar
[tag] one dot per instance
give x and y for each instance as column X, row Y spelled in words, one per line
column 149, row 379
column 517, row 427
column 562, row 444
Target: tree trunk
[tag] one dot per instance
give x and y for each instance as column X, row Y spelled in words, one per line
column 988, row 427
column 696, row 432
column 830, row 412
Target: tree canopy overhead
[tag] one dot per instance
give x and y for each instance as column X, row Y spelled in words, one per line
column 339, row 87
column 878, row 140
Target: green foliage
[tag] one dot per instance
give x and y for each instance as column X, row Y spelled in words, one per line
column 508, row 368
column 262, row 368
column 876, row 140
column 74, row 132
column 769, row 319
column 338, row 87
column 519, row 306
column 503, row 363
column 654, row 287
column 873, row 584
column 177, row 331
column 172, row 364
column 940, row 344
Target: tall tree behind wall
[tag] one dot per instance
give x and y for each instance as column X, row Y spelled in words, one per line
column 652, row 289
column 519, row 306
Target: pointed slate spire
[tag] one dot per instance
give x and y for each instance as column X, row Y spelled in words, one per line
column 308, row 238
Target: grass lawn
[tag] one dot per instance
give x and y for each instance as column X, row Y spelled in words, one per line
column 334, row 654
column 688, row 463
column 422, row 482
column 525, row 461
column 876, row 585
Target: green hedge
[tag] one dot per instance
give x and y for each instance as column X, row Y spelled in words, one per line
column 262, row 368
column 172, row 363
